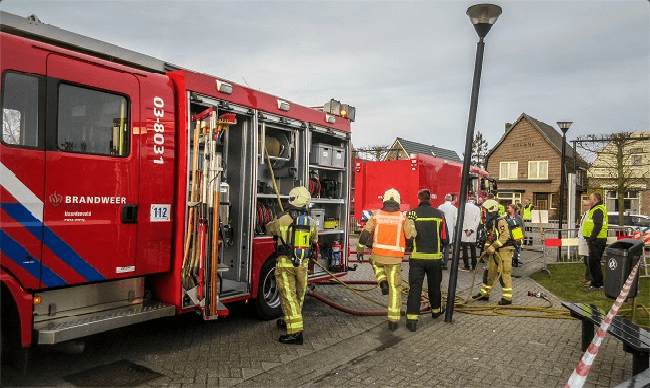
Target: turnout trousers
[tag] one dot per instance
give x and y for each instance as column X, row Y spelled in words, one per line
column 499, row 265
column 417, row 269
column 292, row 284
column 391, row 273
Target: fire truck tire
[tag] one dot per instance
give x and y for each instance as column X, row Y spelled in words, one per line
column 10, row 348
column 267, row 303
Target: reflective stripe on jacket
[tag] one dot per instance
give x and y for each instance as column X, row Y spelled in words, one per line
column 388, row 236
column 588, row 224
column 432, row 232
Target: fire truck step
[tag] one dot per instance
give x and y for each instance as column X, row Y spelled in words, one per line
column 106, row 320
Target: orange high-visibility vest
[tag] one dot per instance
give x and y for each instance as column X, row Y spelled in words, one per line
column 388, row 237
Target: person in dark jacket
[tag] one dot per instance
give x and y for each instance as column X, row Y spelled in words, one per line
column 425, row 258
column 594, row 229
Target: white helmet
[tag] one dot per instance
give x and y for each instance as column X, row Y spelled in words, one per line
column 491, row 206
column 392, row 194
column 299, row 197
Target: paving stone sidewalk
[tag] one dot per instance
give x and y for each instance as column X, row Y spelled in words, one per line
column 344, row 350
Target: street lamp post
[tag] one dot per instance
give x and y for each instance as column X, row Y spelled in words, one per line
column 482, row 16
column 564, row 126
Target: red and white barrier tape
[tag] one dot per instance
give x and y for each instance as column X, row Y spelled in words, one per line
column 581, row 371
column 573, row 242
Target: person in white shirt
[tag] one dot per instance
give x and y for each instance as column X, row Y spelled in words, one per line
column 450, row 218
column 583, row 249
column 468, row 238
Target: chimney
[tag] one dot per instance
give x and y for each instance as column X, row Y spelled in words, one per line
column 508, row 126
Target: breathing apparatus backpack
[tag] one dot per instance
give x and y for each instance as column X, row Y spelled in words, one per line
column 516, row 230
column 299, row 236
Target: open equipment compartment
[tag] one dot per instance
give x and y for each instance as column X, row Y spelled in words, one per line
column 329, row 178
column 224, row 145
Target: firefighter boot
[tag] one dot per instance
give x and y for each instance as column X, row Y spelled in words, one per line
column 291, row 339
column 480, row 296
column 412, row 325
column 392, row 326
column 437, row 314
column 505, row 301
column 384, row 287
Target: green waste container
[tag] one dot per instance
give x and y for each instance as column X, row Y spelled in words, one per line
column 622, row 256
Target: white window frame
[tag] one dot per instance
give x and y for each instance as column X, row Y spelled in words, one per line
column 509, row 169
column 537, row 163
column 550, row 201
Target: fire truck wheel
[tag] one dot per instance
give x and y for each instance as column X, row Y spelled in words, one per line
column 9, row 327
column 267, row 303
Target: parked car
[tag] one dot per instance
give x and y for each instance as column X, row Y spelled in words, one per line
column 630, row 222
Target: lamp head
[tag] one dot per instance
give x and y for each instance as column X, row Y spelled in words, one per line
column 483, row 16
column 564, row 125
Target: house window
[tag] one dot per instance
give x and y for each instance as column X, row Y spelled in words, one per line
column 636, row 160
column 630, row 200
column 538, row 169
column 508, row 170
column 553, row 200
column 509, row 197
column 541, row 201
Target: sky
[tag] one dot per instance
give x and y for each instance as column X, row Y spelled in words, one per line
column 407, row 66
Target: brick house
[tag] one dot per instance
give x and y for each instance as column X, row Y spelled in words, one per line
column 526, row 162
column 403, row 149
column 635, row 167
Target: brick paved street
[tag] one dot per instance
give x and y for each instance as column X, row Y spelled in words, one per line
column 351, row 351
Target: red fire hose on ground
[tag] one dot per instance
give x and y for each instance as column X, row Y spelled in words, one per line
column 347, row 310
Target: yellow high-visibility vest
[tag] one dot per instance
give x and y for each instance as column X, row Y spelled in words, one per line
column 588, row 224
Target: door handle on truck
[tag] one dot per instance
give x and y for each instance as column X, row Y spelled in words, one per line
column 130, row 214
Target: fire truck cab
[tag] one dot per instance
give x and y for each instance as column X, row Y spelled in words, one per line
column 133, row 189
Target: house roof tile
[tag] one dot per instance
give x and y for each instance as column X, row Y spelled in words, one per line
column 412, row 147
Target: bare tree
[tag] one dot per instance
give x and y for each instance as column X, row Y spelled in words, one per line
column 11, row 126
column 373, row 152
column 620, row 163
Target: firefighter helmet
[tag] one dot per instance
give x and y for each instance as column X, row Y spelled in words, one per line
column 299, row 197
column 491, row 206
column 391, row 194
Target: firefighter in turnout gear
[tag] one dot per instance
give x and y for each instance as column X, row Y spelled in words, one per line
column 498, row 251
column 426, row 258
column 389, row 229
column 295, row 236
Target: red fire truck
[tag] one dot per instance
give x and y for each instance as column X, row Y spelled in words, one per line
column 408, row 176
column 132, row 189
